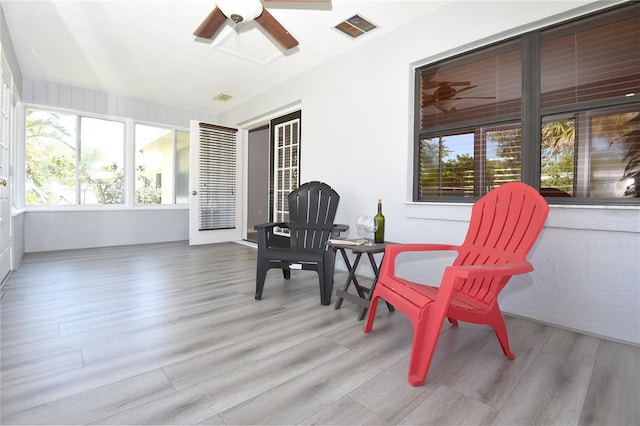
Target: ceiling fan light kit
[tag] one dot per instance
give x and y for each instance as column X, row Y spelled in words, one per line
column 244, row 11
column 240, row 10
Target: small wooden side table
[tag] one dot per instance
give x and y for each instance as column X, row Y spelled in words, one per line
column 363, row 296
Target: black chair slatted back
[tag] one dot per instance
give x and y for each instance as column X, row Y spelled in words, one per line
column 312, row 210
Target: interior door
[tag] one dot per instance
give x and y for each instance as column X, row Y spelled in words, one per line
column 215, row 182
column 6, row 113
column 285, row 163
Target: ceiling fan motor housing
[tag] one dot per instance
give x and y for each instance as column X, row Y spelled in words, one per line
column 240, row 10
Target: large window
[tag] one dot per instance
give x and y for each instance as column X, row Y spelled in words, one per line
column 73, row 160
column 78, row 160
column 162, row 165
column 557, row 108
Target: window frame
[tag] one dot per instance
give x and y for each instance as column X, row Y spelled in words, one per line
column 128, row 167
column 172, row 192
column 276, row 191
column 532, row 114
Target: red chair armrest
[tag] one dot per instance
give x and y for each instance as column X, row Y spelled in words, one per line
column 391, row 251
column 489, row 271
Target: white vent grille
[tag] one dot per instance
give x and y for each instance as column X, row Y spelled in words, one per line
column 222, row 97
column 355, row 26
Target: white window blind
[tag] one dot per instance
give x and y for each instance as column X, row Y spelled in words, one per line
column 217, row 191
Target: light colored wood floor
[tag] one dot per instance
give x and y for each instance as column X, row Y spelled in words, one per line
column 171, row 334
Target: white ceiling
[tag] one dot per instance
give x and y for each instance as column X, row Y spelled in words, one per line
column 145, row 49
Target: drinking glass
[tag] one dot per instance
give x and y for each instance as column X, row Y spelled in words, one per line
column 360, row 225
column 371, row 226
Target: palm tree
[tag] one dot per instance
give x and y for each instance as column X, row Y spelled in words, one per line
column 51, row 164
column 631, row 143
column 558, row 134
column 50, row 157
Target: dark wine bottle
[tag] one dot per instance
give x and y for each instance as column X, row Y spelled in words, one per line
column 379, row 218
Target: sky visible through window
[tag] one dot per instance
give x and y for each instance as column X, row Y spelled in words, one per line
column 463, row 144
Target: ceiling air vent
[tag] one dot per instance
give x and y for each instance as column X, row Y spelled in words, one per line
column 355, row 26
column 222, row 97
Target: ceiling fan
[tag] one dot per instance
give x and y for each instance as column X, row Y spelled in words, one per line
column 446, row 95
column 247, row 10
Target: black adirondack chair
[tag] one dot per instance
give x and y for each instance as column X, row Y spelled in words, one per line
column 312, row 209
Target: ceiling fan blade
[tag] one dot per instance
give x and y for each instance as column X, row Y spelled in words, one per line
column 428, row 100
column 211, row 24
column 476, row 97
column 276, row 30
column 465, row 88
column 432, row 84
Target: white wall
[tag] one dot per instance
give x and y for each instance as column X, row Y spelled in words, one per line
column 77, row 99
column 8, row 58
column 357, row 136
column 82, row 228
column 64, row 230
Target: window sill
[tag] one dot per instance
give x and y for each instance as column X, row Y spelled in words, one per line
column 94, row 208
column 614, row 218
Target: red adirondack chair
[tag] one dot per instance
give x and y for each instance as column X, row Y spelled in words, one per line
column 505, row 224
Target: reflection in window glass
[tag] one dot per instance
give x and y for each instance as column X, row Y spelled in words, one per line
column 602, row 161
column 447, row 165
column 615, row 155
column 578, row 113
column 470, row 164
column 483, row 85
column 101, row 161
column 585, row 63
column 154, row 165
column 182, row 167
column 504, row 157
column 557, row 158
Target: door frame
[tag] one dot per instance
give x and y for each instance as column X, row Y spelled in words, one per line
column 251, row 124
column 296, row 115
column 196, row 236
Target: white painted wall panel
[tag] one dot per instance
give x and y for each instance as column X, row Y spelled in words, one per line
column 53, row 93
column 89, row 101
column 357, row 136
column 65, row 100
column 39, row 92
column 77, row 95
column 82, row 100
column 65, row 230
column 17, row 238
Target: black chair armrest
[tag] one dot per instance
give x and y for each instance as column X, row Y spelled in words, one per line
column 337, row 229
column 268, row 239
column 271, row 225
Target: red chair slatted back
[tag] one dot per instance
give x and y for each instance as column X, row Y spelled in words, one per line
column 504, row 226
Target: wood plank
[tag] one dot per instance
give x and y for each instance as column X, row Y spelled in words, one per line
column 551, row 392
column 490, row 377
column 446, row 406
column 614, row 390
column 168, row 333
